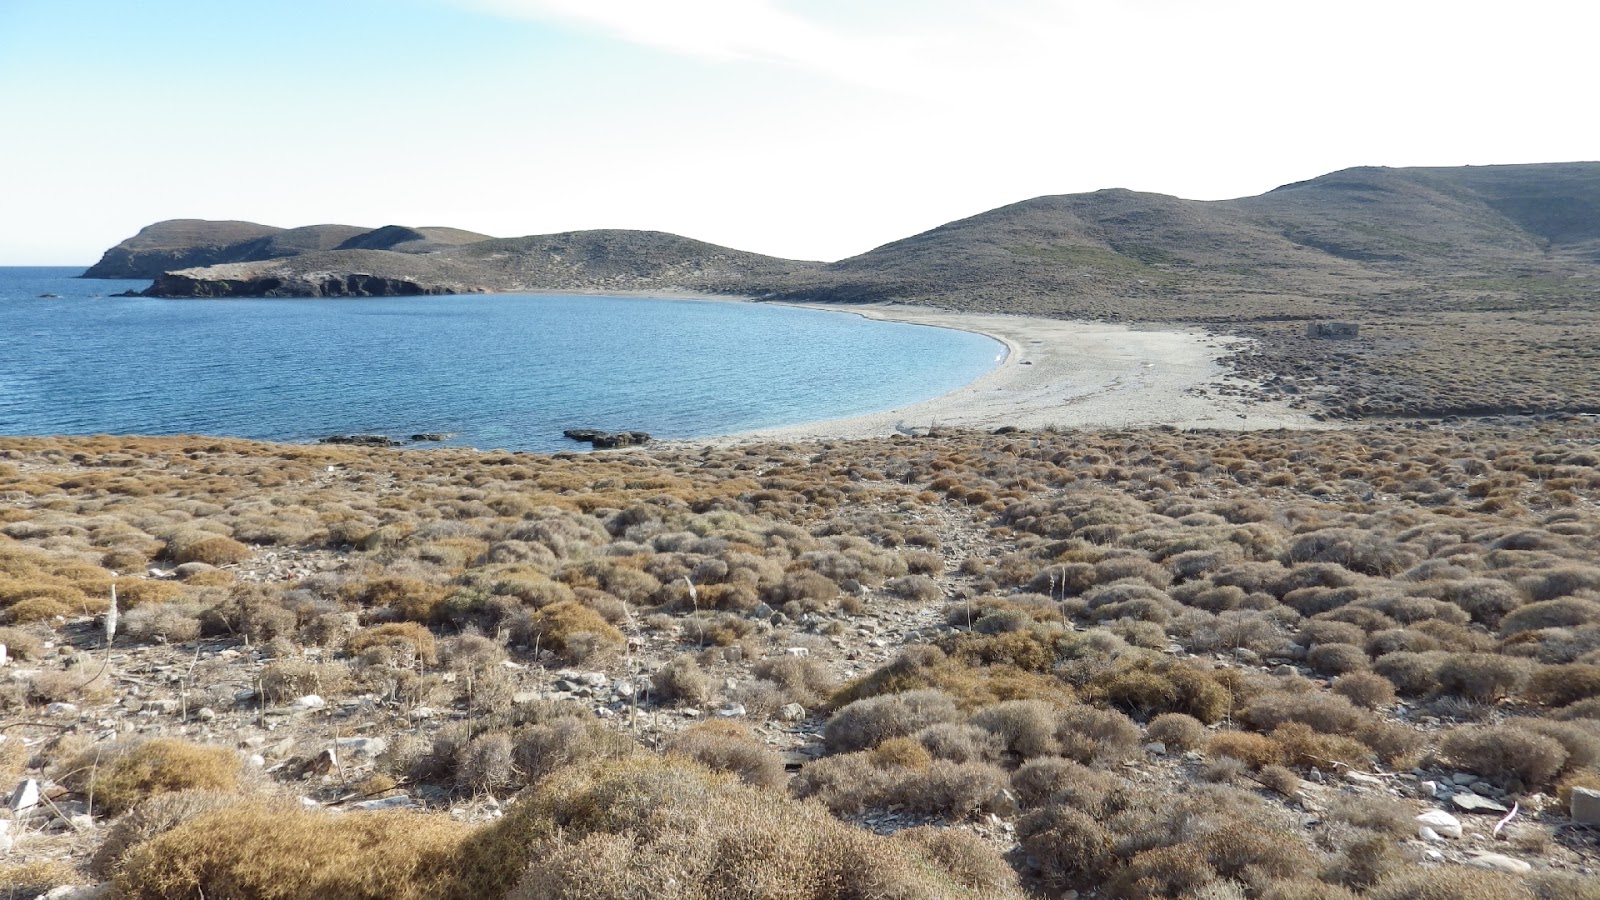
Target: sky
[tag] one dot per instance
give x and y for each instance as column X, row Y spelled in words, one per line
column 811, row 129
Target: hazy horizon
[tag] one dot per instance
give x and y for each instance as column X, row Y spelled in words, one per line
column 808, row 130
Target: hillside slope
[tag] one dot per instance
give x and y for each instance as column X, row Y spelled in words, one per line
column 190, row 243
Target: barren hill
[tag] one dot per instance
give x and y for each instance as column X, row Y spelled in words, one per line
column 188, row 243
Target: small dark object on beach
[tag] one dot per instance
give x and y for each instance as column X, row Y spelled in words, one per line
column 1006, row 429
column 432, row 436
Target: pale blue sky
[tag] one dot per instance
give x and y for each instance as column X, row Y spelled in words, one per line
column 805, row 129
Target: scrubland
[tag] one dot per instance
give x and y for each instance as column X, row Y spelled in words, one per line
column 1038, row 664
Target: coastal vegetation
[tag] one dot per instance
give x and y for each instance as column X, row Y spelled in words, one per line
column 1148, row 663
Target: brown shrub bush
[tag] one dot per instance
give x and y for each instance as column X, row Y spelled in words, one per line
column 682, row 681
column 1178, row 732
column 1024, row 728
column 1367, row 690
column 624, row 824
column 1091, row 735
column 1305, row 748
column 1254, row 750
column 1482, row 677
column 1336, row 659
column 1505, row 751
column 118, row 776
column 1562, row 685
column 725, row 746
column 1412, row 674
column 284, row 680
column 866, row 723
column 213, row 550
column 280, row 850
column 564, row 738
column 1450, row 883
column 157, row 815
column 574, row 632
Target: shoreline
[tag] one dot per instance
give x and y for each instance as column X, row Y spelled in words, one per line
column 1059, row 373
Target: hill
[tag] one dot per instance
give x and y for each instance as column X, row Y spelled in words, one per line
column 613, row 260
column 1477, row 289
column 189, row 243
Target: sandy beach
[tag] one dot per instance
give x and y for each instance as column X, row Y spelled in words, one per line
column 1065, row 374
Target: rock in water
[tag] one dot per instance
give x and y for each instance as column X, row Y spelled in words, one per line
column 607, row 440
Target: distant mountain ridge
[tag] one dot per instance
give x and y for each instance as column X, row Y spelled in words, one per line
column 1439, row 237
column 191, row 243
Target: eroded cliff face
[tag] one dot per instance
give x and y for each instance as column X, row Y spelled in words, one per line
column 180, row 284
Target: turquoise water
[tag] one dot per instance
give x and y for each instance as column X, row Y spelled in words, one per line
column 508, row 371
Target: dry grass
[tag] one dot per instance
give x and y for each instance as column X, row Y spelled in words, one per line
column 117, row 777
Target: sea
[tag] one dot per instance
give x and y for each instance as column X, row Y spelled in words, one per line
column 507, row 371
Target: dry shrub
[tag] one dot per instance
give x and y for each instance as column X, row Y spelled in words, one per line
column 1336, row 659
column 287, row 679
column 725, row 746
column 918, row 588
column 118, row 776
column 959, row 742
column 628, row 829
column 157, row 815
column 417, row 642
column 1412, row 674
column 410, row 598
column 21, row 644
column 85, row 678
column 213, row 550
column 1071, row 848
column 866, row 723
column 282, row 851
column 566, row 738
column 1148, row 685
column 1024, row 728
column 1505, row 751
column 1305, row 889
column 921, row 667
column 1365, row 689
column 967, row 858
column 251, row 610
column 1178, row 732
column 1567, row 612
column 803, row 680
column 1579, row 737
column 34, row 878
column 1173, row 871
column 1564, row 684
column 1327, row 713
column 1254, row 750
column 165, row 623
column 1052, row 779
column 573, row 632
column 484, row 765
column 1092, row 735
column 682, row 681
column 854, row 783
column 1450, row 883
column 1383, row 815
column 1483, row 677
column 1584, row 778
column 1305, row 748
